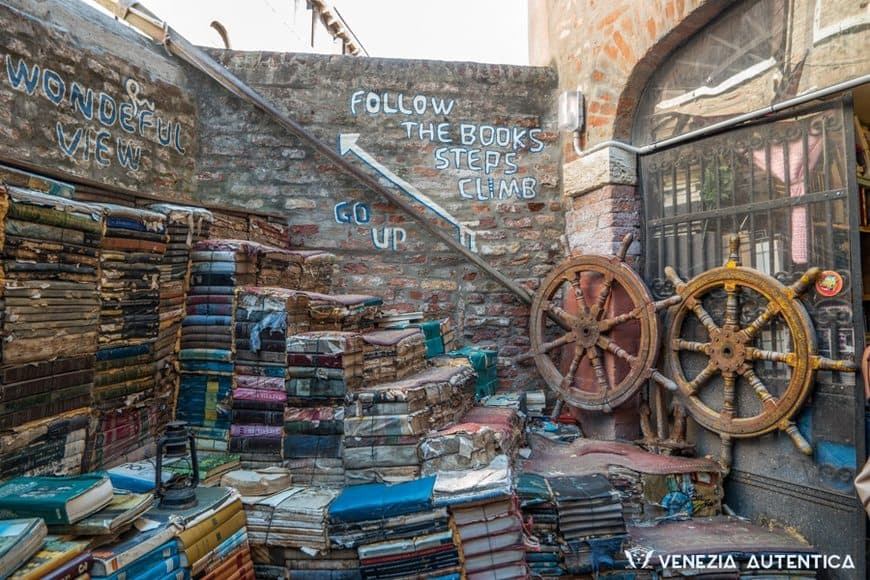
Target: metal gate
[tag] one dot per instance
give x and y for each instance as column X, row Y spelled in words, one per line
column 787, row 189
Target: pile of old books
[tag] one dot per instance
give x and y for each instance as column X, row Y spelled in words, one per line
column 396, row 530
column 544, row 554
column 279, row 268
column 218, row 267
column 321, row 367
column 485, row 364
column 49, row 325
column 439, row 334
column 131, row 252
column 391, row 355
column 318, row 270
column 51, row 445
column 293, row 518
column 383, row 424
column 184, row 227
column 264, row 318
column 347, row 312
column 486, row 519
column 590, row 521
column 481, row 435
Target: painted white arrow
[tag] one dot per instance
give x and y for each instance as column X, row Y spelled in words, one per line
column 347, row 143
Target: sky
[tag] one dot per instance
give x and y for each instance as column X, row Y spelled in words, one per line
column 492, row 31
column 477, row 30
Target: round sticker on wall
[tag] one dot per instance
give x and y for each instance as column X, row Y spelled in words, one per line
column 829, row 283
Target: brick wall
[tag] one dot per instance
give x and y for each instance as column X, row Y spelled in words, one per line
column 457, row 125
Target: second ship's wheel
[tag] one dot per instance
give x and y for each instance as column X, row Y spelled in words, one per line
column 744, row 376
column 595, row 332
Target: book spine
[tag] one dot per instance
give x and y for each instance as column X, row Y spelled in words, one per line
column 76, row 567
column 214, row 538
column 200, row 530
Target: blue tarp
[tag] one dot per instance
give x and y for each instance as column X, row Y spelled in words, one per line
column 379, row 501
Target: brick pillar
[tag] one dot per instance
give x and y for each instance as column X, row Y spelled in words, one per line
column 604, row 207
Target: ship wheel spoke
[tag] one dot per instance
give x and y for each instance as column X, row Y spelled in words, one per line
column 567, row 338
column 731, row 307
column 598, row 309
column 692, row 346
column 707, row 373
column 772, row 356
column 598, row 366
column 729, row 392
column 702, row 315
column 568, row 379
column 559, row 314
column 608, row 323
column 827, row 364
column 579, row 296
column 767, row 400
column 762, row 320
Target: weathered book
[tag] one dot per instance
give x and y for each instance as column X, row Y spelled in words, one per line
column 20, row 539
column 55, row 552
column 146, row 535
column 119, row 514
column 58, row 500
column 77, row 567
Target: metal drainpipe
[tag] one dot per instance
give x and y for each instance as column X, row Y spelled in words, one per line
column 722, row 125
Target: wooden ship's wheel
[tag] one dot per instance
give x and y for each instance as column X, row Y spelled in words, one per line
column 772, row 383
column 595, row 331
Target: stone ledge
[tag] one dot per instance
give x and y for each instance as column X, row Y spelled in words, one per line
column 610, row 166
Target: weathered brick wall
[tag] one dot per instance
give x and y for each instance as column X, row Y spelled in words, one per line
column 608, row 50
column 458, row 126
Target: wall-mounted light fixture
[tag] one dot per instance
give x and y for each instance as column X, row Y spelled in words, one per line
column 572, row 111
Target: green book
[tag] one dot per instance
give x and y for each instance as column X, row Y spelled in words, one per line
column 211, row 466
column 19, row 540
column 124, row 508
column 57, row 500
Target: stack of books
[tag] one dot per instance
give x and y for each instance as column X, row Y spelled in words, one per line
column 391, row 355
column 184, row 227
column 279, row 268
column 486, row 519
column 544, row 557
column 291, row 518
column 395, row 529
column 54, row 445
column 590, row 520
column 51, row 286
column 318, row 270
column 218, row 267
column 383, row 424
column 130, row 256
column 482, row 434
column 344, row 312
column 50, row 322
column 485, row 364
column 439, row 334
column 264, row 318
column 321, row 367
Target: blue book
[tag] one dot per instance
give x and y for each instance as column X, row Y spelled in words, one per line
column 19, row 541
column 57, row 500
column 377, row 501
column 157, row 563
column 138, row 476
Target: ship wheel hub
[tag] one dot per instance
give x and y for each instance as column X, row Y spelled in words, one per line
column 586, row 331
column 727, row 350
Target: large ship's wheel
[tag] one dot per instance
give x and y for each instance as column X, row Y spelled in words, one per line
column 595, row 332
column 728, row 348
